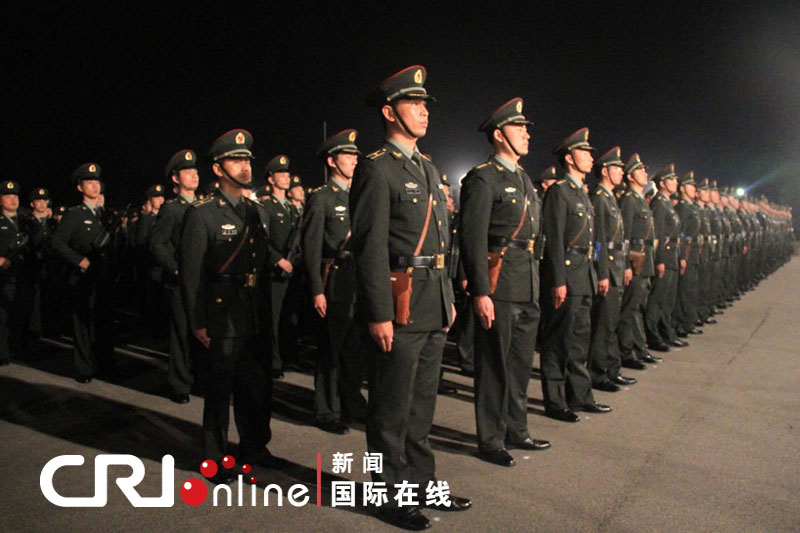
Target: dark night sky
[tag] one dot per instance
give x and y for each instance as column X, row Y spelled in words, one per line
column 715, row 89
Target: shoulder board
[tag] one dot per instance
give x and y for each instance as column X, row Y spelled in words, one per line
column 171, row 201
column 397, row 155
column 520, row 166
column 256, row 202
column 562, row 180
column 425, row 156
column 598, row 192
column 317, row 189
column 274, row 201
column 376, row 154
column 482, row 165
column 628, row 193
column 203, row 202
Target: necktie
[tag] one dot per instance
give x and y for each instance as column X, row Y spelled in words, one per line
column 240, row 208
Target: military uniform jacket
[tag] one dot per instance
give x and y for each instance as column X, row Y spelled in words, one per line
column 610, row 260
column 165, row 240
column 704, row 232
column 220, row 301
column 78, row 234
column 737, row 230
column 325, row 228
column 492, row 202
column 283, row 220
column 690, row 227
column 388, row 202
column 727, row 231
column 639, row 228
column 17, row 245
column 715, row 222
column 568, row 225
column 668, row 231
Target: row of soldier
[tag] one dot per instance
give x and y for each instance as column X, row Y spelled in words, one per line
column 592, row 280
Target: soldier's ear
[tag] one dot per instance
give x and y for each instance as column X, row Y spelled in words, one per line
column 80, row 186
column 331, row 161
column 175, row 178
column 388, row 113
column 569, row 159
column 216, row 169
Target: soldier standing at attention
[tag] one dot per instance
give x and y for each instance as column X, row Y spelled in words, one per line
column 685, row 312
column 569, row 279
column 83, row 240
column 658, row 313
column 639, row 231
column 613, row 275
column 399, row 237
column 45, row 290
column 165, row 244
column 332, row 282
column 152, row 309
column 223, row 258
column 501, row 219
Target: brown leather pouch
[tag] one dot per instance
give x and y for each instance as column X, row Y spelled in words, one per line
column 401, row 294
column 495, row 264
column 637, row 261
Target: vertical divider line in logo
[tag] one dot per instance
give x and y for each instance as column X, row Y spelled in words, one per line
column 319, row 480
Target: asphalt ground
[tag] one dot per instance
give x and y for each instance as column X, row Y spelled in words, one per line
column 706, row 441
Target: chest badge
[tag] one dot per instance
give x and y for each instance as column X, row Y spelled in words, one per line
column 228, row 229
column 340, row 209
column 511, row 189
column 411, row 185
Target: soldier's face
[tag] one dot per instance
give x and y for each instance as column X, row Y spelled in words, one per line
column 40, row 205
column 690, row 191
column 414, row 112
column 583, row 160
column 518, row 136
column 187, row 178
column 346, row 164
column 715, row 197
column 298, row 194
column 156, row 202
column 239, row 169
column 704, row 195
column 615, row 174
column 280, row 180
column 90, row 189
column 640, row 177
column 671, row 185
column 10, row 202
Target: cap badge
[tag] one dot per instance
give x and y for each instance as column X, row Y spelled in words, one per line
column 92, row 168
column 352, row 136
column 296, row 179
column 188, row 156
column 9, row 185
column 418, row 76
column 519, row 106
column 158, row 188
column 239, row 138
column 283, row 160
column 41, row 191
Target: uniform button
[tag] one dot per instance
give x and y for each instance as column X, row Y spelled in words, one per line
column 611, row 257
column 218, row 300
column 580, row 214
column 442, row 244
column 590, row 230
column 567, row 262
column 440, row 222
column 513, row 200
column 229, row 239
column 434, row 202
column 252, row 240
column 414, row 200
column 254, row 254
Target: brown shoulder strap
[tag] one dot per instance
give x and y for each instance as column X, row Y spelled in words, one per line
column 418, row 249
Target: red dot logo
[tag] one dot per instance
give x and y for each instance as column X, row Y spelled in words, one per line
column 253, row 480
column 208, row 468
column 193, row 492
column 228, row 461
column 246, row 469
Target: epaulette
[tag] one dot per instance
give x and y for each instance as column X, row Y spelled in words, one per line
column 520, row 167
column 317, row 189
column 628, row 193
column 426, row 156
column 562, row 180
column 254, row 201
column 171, row 201
column 482, row 165
column 203, row 202
column 376, row 154
column 274, row 201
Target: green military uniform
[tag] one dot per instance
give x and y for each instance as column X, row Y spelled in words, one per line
column 85, row 232
column 640, row 234
column 17, row 235
column 284, row 222
column 224, row 251
column 165, row 244
column 661, row 302
column 685, row 313
column 46, row 288
column 501, row 214
column 331, row 272
column 609, row 259
column 388, row 201
column 151, row 271
column 568, row 226
column 705, row 252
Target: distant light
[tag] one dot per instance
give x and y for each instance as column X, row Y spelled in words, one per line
column 739, row 192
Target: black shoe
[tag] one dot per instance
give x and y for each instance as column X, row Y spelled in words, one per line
column 497, row 457
column 267, row 460
column 594, row 408
column 711, row 320
column 446, row 390
column 695, row 331
column 658, row 346
column 699, row 322
column 83, row 379
column 679, row 343
column 565, row 415
column 634, row 364
column 623, row 380
column 682, row 334
column 333, row 426
column 180, row 398
column 607, row 386
column 277, row 374
column 456, row 504
column 409, row 518
column 650, row 358
column 528, row 444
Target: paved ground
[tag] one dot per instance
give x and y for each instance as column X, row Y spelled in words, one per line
column 707, row 441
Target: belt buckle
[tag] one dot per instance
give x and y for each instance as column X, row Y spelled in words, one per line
column 250, row 280
column 530, row 245
column 438, row 261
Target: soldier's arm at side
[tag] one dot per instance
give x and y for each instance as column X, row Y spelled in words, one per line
column 660, row 226
column 60, row 241
column 161, row 241
column 554, row 216
column 313, row 237
column 476, row 210
column 601, row 239
column 194, row 242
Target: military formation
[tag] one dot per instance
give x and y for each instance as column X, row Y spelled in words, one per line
column 596, row 266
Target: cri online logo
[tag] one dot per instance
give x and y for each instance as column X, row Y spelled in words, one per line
column 193, row 490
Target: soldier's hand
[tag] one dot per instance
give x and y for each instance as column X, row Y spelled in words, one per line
column 285, row 265
column 559, row 295
column 628, row 276
column 84, row 264
column 602, row 287
column 450, row 325
column 382, row 333
column 744, row 249
column 660, row 270
column 683, row 267
column 202, row 336
column 5, row 262
column 484, row 308
column 320, row 304
column 464, row 286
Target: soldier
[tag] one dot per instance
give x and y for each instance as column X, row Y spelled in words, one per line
column 501, row 220
column 17, row 236
column 83, row 240
column 548, row 177
column 613, row 275
column 165, row 244
column 283, row 244
column 658, row 313
column 297, row 195
column 685, row 313
column 705, row 249
column 223, row 258
column 569, row 283
column 331, row 277
column 399, row 237
column 150, row 269
column 640, row 233
column 43, row 317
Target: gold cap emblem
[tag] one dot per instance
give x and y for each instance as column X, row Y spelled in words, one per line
column 9, row 185
column 188, row 156
column 418, row 76
column 239, row 138
column 92, row 168
column 283, row 160
column 519, row 106
column 296, row 179
column 41, row 191
column 158, row 188
column 352, row 136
